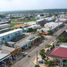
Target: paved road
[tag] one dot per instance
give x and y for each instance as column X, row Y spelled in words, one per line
column 27, row 61
column 60, row 31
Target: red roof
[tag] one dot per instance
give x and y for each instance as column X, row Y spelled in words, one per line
column 59, row 53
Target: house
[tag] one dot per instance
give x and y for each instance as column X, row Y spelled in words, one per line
column 60, row 53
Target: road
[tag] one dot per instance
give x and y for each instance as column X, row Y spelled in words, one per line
column 28, row 61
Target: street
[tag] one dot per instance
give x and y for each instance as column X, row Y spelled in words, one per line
column 28, row 61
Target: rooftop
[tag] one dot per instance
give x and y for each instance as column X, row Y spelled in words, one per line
column 25, row 40
column 5, row 52
column 52, row 25
column 2, row 55
column 12, row 31
column 59, row 52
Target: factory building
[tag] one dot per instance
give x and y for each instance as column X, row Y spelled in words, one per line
column 41, row 22
column 53, row 26
column 8, row 36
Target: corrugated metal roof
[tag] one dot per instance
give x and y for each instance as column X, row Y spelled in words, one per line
column 12, row 31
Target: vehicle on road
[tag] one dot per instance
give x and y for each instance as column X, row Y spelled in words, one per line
column 24, row 54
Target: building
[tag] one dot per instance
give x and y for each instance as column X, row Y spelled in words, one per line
column 30, row 23
column 41, row 22
column 53, row 26
column 34, row 26
column 61, row 20
column 8, row 36
column 28, row 41
column 60, row 54
column 50, row 19
column 3, row 26
column 7, row 54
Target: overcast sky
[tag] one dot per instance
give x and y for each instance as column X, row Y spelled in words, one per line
column 11, row 5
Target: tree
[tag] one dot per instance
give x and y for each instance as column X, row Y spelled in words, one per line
column 50, row 32
column 49, row 63
column 62, row 39
column 42, row 53
column 37, row 65
column 31, row 30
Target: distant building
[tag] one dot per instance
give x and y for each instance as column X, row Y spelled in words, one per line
column 5, row 25
column 50, row 19
column 41, row 22
column 53, row 26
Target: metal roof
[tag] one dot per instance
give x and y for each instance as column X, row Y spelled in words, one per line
column 9, row 32
column 53, row 25
column 60, row 52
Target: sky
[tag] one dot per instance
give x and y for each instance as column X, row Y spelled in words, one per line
column 12, row 5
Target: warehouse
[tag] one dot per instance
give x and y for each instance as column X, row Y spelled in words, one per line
column 34, row 26
column 62, row 20
column 31, row 28
column 41, row 22
column 53, row 26
column 7, row 54
column 50, row 19
column 3, row 56
column 27, row 42
column 24, row 44
column 30, row 23
column 8, row 36
column 2, row 26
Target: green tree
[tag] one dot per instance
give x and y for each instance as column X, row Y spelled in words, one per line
column 49, row 63
column 42, row 53
column 50, row 32
column 31, row 30
column 62, row 39
column 37, row 65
